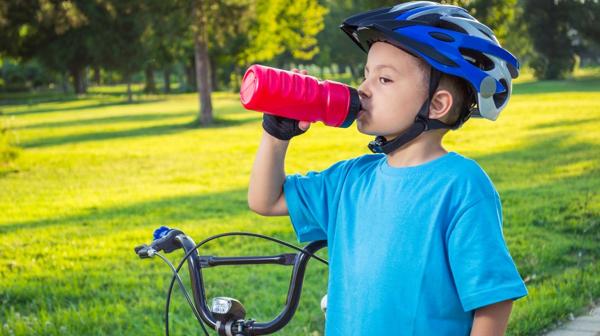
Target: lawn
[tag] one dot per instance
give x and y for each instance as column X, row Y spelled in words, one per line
column 94, row 176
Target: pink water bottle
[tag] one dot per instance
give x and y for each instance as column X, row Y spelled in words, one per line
column 300, row 97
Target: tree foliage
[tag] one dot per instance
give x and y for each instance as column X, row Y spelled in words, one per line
column 548, row 24
column 559, row 29
column 58, row 33
column 130, row 36
column 281, row 26
column 243, row 32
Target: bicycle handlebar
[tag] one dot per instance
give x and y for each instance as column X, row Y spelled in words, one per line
column 234, row 323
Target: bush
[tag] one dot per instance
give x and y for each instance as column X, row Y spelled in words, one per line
column 557, row 68
column 23, row 76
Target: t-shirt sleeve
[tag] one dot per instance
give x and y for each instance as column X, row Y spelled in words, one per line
column 483, row 270
column 311, row 200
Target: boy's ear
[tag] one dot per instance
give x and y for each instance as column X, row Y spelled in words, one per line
column 440, row 105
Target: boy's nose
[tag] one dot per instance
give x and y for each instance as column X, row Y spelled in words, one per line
column 364, row 97
column 361, row 92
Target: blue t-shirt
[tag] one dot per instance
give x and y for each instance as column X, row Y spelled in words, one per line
column 412, row 251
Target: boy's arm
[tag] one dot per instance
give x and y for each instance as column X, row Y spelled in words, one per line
column 265, row 192
column 492, row 320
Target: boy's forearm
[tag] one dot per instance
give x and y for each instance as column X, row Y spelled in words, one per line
column 265, row 192
column 492, row 320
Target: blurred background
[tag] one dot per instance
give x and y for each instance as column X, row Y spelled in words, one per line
column 171, row 46
column 119, row 116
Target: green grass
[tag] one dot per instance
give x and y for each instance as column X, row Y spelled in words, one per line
column 8, row 150
column 95, row 176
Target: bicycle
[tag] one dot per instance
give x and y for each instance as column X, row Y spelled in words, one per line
column 227, row 316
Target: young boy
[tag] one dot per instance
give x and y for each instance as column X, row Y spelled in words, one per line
column 414, row 233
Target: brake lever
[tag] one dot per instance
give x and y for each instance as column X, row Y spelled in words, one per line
column 165, row 240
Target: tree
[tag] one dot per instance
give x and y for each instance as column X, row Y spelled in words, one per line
column 586, row 38
column 549, row 27
column 121, row 49
column 210, row 19
column 165, row 38
column 337, row 49
column 496, row 14
column 275, row 26
column 202, row 13
column 57, row 32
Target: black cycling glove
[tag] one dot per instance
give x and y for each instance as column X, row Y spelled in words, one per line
column 281, row 127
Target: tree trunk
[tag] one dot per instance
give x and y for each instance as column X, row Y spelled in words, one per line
column 167, row 78
column 355, row 71
column 78, row 79
column 150, row 83
column 203, row 79
column 65, row 82
column 84, row 79
column 97, row 77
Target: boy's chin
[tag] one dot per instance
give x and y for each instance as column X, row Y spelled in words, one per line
column 369, row 130
column 362, row 128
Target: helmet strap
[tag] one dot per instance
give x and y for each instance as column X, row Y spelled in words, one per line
column 421, row 124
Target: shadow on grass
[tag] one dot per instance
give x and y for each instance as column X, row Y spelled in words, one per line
column 589, row 84
column 52, row 96
column 136, row 132
column 549, row 217
column 83, row 107
column 28, row 98
column 165, row 211
column 568, row 123
column 107, row 120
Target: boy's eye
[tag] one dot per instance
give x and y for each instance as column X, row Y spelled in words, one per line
column 384, row 80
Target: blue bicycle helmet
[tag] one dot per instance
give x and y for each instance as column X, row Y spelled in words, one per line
column 452, row 42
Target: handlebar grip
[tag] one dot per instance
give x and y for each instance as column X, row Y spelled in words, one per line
column 167, row 243
column 142, row 251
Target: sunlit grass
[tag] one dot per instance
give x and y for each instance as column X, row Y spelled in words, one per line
column 95, row 176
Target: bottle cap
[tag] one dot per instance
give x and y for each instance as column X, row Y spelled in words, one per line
column 248, row 86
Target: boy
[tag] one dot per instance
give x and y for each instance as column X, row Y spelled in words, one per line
column 414, row 233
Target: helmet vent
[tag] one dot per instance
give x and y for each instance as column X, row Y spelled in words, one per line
column 486, row 34
column 428, row 19
column 462, row 15
column 441, row 36
column 451, row 26
column 477, row 58
column 500, row 98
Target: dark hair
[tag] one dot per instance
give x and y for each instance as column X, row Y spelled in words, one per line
column 462, row 96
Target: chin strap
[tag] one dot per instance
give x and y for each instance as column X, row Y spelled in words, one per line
column 421, row 124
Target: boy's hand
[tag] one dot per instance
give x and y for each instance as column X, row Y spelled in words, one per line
column 284, row 128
